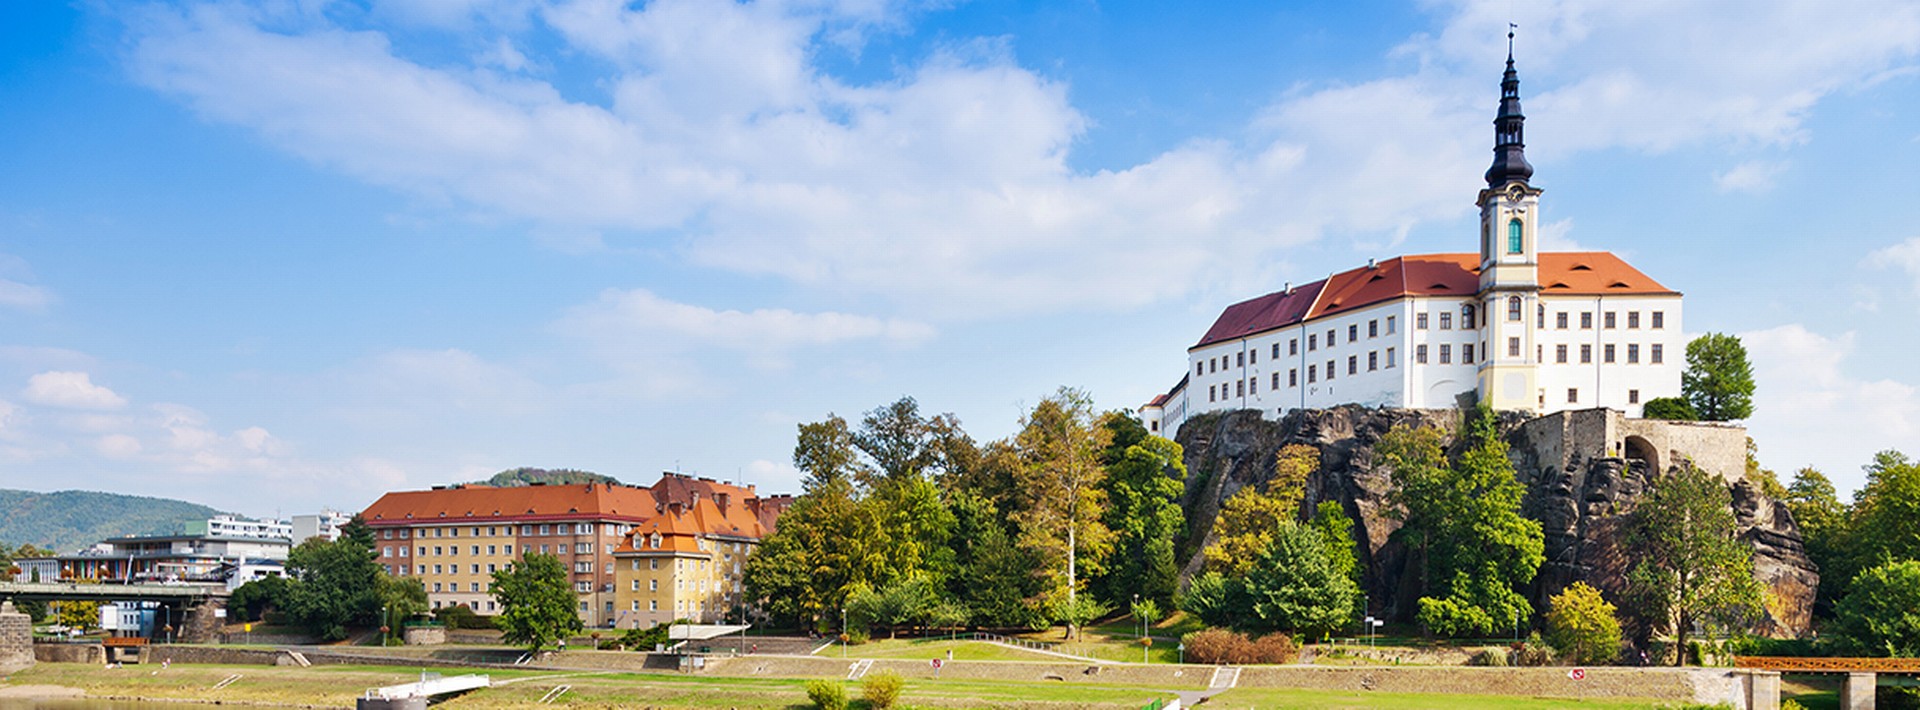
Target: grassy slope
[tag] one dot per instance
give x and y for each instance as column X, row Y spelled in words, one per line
column 1335, row 700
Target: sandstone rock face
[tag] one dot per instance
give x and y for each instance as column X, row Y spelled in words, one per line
column 1583, row 471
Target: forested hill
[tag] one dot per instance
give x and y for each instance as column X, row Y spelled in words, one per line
column 552, row 477
column 69, row 520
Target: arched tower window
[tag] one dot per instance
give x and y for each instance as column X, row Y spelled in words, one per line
column 1466, row 317
column 1513, row 308
column 1513, row 236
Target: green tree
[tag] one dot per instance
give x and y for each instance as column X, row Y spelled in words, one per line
column 1465, row 519
column 1822, row 520
column 337, row 588
column 903, row 602
column 254, row 599
column 1144, row 484
column 1691, row 568
column 1335, row 529
column 1582, row 625
column 1718, row 381
column 1246, row 526
column 999, row 582
column 1886, row 511
column 1670, row 408
column 1060, row 484
column 898, row 439
column 1294, row 586
column 1217, row 600
column 401, row 598
column 537, row 604
column 1880, row 616
column 826, row 456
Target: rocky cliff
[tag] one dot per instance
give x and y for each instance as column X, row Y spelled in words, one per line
column 1583, row 471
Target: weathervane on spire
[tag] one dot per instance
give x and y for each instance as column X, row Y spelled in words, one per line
column 1510, row 28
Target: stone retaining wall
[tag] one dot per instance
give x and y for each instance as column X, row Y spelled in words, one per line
column 16, row 639
column 425, row 635
column 70, row 653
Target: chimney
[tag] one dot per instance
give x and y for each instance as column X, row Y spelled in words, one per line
column 1369, row 264
column 721, row 498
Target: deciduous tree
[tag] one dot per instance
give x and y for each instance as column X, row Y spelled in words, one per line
column 1670, row 408
column 1059, row 483
column 1294, row 586
column 1144, row 485
column 1582, row 625
column 1691, row 568
column 537, row 603
column 1880, row 615
column 337, row 588
column 1718, row 381
column 1249, row 518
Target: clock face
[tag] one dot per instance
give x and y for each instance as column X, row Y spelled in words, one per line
column 1515, row 193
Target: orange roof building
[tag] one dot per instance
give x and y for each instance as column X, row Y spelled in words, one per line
column 453, row 538
column 1508, row 324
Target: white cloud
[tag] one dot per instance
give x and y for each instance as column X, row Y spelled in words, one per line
column 404, row 384
column 1904, row 256
column 118, row 446
column 1810, row 409
column 1753, row 176
column 773, row 476
column 70, row 390
column 14, row 294
column 946, row 187
column 640, row 319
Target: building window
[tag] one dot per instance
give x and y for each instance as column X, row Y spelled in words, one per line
column 1253, row 385
column 1210, row 395
column 1330, row 337
column 1560, row 320
column 1466, row 353
column 1573, row 395
column 386, row 551
column 1390, row 325
column 1419, row 321
column 1446, row 354
column 1654, row 355
column 1353, row 333
column 1420, row 354
column 1389, row 358
column 1586, row 320
column 1293, row 377
column 1633, row 319
column 1199, row 368
column 546, row 529
column 1633, row 396
column 526, row 530
column 1373, row 361
column 1513, row 236
column 1513, row 347
column 1239, row 388
column 1586, row 354
column 403, row 551
column 1353, row 364
column 1293, row 346
column 1607, row 353
column 1313, row 374
column 1313, row 342
column 436, row 587
column 1329, row 369
column 1560, row 354
column 1659, row 319
column 1276, row 351
column 653, row 564
column 1466, row 317
column 1373, row 329
column 1446, row 321
column 1276, row 381
column 1610, row 320
column 1633, row 354
column 1241, row 360
column 1541, row 321
column 1213, row 364
column 1513, row 308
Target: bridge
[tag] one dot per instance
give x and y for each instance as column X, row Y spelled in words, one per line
column 181, row 594
column 414, row 696
column 1862, row 673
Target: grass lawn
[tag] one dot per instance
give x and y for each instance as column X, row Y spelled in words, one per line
column 337, row 686
column 930, row 648
column 1338, row 700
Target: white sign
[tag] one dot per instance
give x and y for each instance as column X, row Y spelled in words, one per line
column 1577, row 674
column 219, row 613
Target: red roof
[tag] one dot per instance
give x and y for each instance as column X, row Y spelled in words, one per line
column 1595, row 273
column 476, row 503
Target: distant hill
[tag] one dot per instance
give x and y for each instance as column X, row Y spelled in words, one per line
column 552, row 477
column 69, row 520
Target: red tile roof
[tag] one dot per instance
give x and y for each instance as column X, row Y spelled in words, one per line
column 477, row 503
column 1596, row 273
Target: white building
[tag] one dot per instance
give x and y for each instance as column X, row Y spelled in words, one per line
column 1509, row 325
column 236, row 527
column 325, row 525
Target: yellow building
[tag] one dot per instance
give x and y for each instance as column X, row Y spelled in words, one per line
column 686, row 563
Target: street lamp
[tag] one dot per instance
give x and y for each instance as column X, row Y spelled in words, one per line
column 843, row 633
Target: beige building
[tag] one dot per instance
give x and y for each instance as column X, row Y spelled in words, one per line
column 687, row 562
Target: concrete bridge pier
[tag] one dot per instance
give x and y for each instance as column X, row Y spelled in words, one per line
column 1857, row 692
column 16, row 639
column 1763, row 690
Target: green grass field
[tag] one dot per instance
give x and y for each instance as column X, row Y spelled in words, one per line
column 1335, row 700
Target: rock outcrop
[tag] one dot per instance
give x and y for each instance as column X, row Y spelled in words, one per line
column 1584, row 471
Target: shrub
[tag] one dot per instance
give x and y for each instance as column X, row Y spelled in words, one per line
column 827, row 695
column 1791, row 704
column 1531, row 652
column 1220, row 646
column 1582, row 625
column 1896, row 697
column 880, row 690
column 1275, row 649
column 1495, row 657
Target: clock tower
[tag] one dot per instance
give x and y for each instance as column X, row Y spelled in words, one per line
column 1509, row 293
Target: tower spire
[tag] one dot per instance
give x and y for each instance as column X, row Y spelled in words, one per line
column 1509, row 144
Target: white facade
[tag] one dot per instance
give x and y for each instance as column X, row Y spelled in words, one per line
column 325, row 525
column 231, row 526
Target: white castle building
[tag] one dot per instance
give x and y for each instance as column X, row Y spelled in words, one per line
column 1509, row 325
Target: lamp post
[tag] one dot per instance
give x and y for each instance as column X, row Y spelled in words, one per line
column 843, row 633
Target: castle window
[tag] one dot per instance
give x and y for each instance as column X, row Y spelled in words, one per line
column 1633, row 354
column 1313, row 374
column 1573, row 395
column 1241, row 359
column 1586, row 320
column 1513, row 347
column 1276, row 351
column 1353, row 364
column 1210, row 395
column 1313, row 342
column 1633, row 396
column 1276, row 381
column 1610, row 320
column 1633, row 319
column 1389, row 358
column 1373, row 361
column 1542, row 320
column 1608, row 357
column 1586, row 354
column 1466, row 354
column 1353, row 333
column 1199, row 368
column 1293, row 376
column 1373, row 329
column 1560, row 320
column 1419, row 321
column 1446, row 354
column 1513, row 236
column 1239, row 388
column 1330, row 341
column 1253, row 385
column 1446, row 321
column 1656, row 355
column 1513, row 308
column 1659, row 319
column 1329, row 369
column 1560, row 354
column 1253, row 356
column 1293, row 346
column 1466, row 317
column 1390, row 325
column 1420, row 354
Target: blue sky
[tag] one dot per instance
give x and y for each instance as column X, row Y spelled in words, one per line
column 282, row 255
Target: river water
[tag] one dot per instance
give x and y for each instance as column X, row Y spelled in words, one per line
column 84, row 704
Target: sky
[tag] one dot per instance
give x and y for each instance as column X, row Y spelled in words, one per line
column 285, row 255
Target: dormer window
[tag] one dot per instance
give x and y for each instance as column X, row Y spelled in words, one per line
column 1514, row 236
